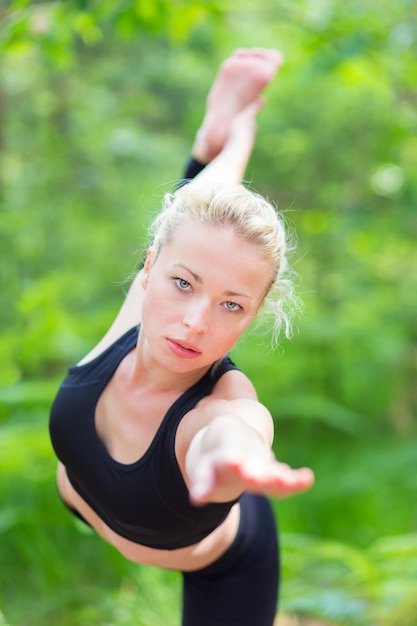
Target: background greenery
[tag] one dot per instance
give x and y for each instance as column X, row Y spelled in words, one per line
column 98, row 105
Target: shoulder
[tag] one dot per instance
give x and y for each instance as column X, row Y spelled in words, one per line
column 232, row 394
column 232, row 387
column 233, row 384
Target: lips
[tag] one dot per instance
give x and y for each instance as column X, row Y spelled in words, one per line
column 183, row 349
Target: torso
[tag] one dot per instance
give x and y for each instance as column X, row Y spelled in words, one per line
column 121, row 439
column 126, row 440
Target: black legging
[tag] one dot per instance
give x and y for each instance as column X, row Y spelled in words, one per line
column 240, row 588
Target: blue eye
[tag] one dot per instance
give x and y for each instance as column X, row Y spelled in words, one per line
column 182, row 284
column 232, row 306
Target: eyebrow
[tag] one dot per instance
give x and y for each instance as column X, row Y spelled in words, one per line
column 199, row 280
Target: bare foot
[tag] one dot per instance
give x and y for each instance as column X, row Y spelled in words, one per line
column 240, row 80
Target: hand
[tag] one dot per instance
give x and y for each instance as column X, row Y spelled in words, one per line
column 216, row 478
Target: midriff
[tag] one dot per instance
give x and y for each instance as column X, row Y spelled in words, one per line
column 186, row 559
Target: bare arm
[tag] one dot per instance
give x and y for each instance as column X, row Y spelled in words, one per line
column 233, row 454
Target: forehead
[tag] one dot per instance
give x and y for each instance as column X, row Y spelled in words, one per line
column 214, row 251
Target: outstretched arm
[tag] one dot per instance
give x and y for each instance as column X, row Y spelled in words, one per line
column 232, row 454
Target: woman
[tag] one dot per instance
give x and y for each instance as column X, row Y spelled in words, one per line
column 164, row 448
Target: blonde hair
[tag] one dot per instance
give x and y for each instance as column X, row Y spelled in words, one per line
column 253, row 218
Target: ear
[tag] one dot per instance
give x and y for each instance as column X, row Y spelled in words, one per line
column 147, row 268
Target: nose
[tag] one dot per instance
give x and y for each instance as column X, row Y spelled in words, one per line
column 196, row 317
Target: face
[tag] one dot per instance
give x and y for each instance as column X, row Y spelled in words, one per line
column 202, row 292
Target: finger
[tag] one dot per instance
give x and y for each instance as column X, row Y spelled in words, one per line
column 292, row 481
column 280, row 480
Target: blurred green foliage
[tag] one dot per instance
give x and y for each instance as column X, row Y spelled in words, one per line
column 99, row 102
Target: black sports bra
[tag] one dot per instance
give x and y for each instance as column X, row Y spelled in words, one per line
column 147, row 501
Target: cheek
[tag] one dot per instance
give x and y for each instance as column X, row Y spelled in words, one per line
column 157, row 306
column 240, row 329
column 149, row 304
column 229, row 333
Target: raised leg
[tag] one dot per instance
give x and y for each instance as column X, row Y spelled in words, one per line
column 239, row 82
